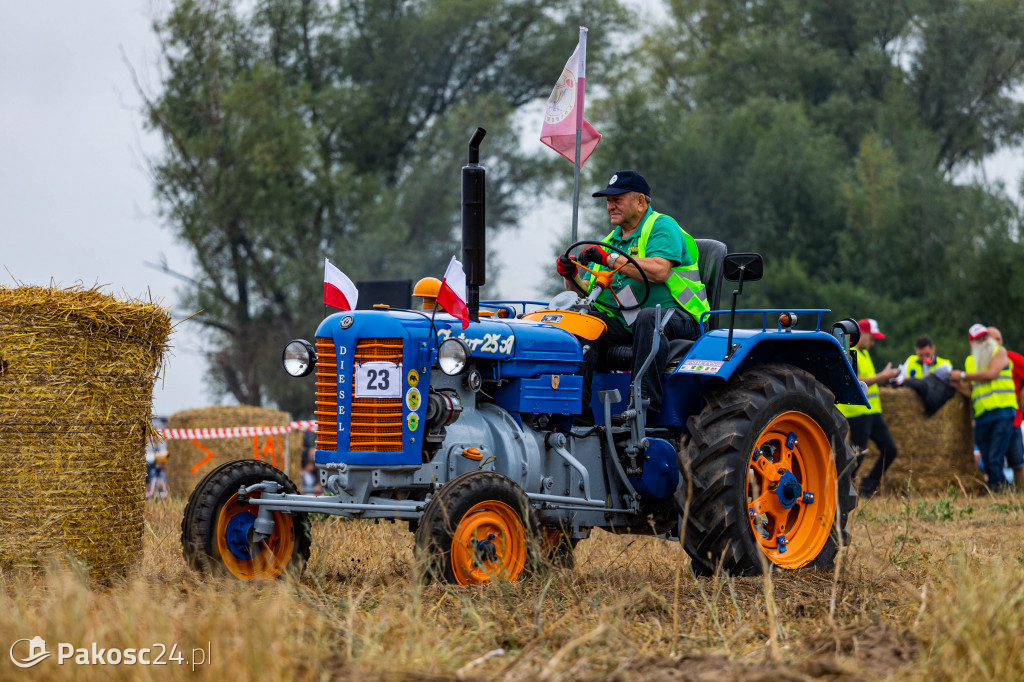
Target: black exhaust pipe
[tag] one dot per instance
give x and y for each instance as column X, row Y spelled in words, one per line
column 474, row 252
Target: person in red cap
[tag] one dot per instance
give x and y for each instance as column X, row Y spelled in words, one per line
column 867, row 423
column 987, row 379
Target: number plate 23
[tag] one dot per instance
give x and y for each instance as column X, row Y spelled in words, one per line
column 378, row 380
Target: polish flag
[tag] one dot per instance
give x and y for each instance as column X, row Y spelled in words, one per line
column 339, row 291
column 563, row 115
column 452, row 295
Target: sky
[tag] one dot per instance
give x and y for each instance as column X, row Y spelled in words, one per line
column 76, row 203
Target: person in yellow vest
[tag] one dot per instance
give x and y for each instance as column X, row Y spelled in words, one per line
column 867, row 423
column 667, row 254
column 1015, row 455
column 987, row 379
column 924, row 360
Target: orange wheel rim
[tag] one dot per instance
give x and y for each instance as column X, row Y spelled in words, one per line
column 266, row 560
column 488, row 544
column 791, row 490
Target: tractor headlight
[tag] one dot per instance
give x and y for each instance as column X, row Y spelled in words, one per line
column 452, row 356
column 299, row 358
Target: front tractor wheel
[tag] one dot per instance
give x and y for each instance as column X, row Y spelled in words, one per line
column 479, row 527
column 770, row 472
column 217, row 530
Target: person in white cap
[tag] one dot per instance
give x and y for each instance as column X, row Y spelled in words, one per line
column 1015, row 455
column 987, row 379
column 867, row 423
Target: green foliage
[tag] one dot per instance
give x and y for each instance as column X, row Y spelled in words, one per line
column 832, row 137
column 299, row 129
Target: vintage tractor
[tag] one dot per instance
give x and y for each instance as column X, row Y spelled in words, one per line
column 473, row 436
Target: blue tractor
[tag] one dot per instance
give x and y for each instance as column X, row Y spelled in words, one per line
column 473, row 436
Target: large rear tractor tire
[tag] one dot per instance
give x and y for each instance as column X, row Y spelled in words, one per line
column 479, row 527
column 216, row 530
column 770, row 471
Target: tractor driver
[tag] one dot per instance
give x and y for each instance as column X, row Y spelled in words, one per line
column 667, row 254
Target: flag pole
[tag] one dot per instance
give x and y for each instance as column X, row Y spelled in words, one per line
column 580, row 82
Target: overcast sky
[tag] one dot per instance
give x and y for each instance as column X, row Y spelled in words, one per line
column 76, row 204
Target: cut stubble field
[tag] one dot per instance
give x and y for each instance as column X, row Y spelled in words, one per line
column 930, row 588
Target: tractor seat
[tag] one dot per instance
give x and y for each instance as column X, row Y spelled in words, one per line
column 710, row 257
column 710, row 260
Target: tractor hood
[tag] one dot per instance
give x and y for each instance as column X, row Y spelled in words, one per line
column 520, row 348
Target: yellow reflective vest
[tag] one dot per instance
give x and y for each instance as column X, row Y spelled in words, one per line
column 684, row 281
column 865, row 369
column 995, row 394
column 914, row 369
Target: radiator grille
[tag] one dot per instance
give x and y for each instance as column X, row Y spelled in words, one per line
column 376, row 423
column 326, row 395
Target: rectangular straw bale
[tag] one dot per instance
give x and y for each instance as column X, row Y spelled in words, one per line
column 183, row 455
column 76, row 390
column 934, row 452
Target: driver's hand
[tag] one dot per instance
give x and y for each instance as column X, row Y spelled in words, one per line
column 594, row 254
column 565, row 267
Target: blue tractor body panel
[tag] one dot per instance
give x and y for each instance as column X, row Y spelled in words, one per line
column 530, row 354
column 548, row 393
column 538, row 365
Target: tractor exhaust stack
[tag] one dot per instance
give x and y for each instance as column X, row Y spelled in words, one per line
column 474, row 251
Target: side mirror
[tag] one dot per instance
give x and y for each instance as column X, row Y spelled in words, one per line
column 740, row 267
column 745, row 267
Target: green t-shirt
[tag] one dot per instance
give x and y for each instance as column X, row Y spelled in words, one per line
column 665, row 241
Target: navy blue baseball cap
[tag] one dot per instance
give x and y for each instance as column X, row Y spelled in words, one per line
column 625, row 181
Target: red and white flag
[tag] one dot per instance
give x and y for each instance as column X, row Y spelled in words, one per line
column 339, row 291
column 563, row 115
column 452, row 295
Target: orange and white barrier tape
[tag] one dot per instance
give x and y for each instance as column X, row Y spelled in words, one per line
column 235, row 431
column 269, row 450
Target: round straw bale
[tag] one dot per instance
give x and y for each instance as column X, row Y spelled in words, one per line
column 934, row 451
column 76, row 391
column 188, row 461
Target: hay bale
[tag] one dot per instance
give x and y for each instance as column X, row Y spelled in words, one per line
column 76, row 391
column 187, row 462
column 933, row 451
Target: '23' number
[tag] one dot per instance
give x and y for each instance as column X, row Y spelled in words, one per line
column 378, row 380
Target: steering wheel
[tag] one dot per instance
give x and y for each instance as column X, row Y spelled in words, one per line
column 603, row 278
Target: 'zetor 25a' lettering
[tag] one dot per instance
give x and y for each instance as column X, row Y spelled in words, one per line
column 488, row 343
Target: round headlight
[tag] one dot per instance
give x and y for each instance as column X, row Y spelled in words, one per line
column 452, row 356
column 299, row 358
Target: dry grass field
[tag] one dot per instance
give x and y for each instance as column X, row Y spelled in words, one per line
column 929, row 589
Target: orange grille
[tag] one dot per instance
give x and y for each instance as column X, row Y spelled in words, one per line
column 326, row 395
column 376, row 423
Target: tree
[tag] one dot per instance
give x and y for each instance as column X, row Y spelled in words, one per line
column 299, row 129
column 830, row 136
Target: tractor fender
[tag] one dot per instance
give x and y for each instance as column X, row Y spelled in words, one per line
column 706, row 363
